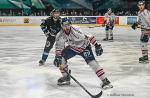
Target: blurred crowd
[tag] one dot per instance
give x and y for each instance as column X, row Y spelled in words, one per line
column 64, row 12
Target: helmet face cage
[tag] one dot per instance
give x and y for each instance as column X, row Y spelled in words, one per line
column 53, row 13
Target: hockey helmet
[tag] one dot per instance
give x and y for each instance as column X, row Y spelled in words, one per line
column 66, row 21
column 141, row 3
column 53, row 13
column 109, row 9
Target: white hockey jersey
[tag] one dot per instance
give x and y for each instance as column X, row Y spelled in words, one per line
column 76, row 40
column 144, row 19
column 109, row 19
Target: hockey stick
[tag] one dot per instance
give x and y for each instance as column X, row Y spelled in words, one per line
column 92, row 96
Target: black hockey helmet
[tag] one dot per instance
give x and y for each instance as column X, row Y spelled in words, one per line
column 141, row 3
column 53, row 14
column 55, row 10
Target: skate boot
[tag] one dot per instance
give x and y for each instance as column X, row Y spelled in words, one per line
column 41, row 62
column 143, row 59
column 65, row 80
column 106, row 84
column 105, row 39
column 111, row 39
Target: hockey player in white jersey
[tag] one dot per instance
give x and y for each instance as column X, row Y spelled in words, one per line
column 109, row 21
column 144, row 24
column 77, row 44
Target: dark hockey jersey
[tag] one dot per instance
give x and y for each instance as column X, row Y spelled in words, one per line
column 50, row 27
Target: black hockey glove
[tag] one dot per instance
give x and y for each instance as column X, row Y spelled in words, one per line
column 58, row 61
column 45, row 30
column 134, row 25
column 98, row 49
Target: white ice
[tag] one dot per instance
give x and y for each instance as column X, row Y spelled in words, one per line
column 21, row 77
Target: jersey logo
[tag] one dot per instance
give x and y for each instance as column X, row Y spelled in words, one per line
column 87, row 54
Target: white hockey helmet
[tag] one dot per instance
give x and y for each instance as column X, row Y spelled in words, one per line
column 141, row 3
column 109, row 9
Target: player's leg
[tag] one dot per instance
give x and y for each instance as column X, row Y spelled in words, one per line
column 144, row 40
column 48, row 46
column 65, row 79
column 107, row 33
column 90, row 60
column 111, row 32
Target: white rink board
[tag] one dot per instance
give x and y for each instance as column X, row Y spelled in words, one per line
column 36, row 20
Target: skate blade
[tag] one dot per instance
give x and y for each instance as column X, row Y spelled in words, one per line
column 107, row 87
column 110, row 40
column 105, row 40
column 144, row 62
column 64, row 83
column 41, row 64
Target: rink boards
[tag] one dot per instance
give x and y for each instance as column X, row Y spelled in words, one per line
column 78, row 20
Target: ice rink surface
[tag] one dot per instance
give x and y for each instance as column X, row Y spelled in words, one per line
column 21, row 77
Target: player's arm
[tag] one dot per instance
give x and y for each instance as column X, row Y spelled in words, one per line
column 113, row 21
column 60, row 44
column 92, row 40
column 98, row 47
column 44, row 27
column 137, row 24
column 104, row 23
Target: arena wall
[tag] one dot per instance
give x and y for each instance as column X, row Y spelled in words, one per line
column 76, row 20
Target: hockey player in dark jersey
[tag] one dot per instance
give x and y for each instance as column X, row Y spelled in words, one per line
column 50, row 26
column 144, row 24
column 77, row 44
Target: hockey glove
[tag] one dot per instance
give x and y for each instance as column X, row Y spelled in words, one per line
column 134, row 26
column 98, row 49
column 45, row 30
column 58, row 61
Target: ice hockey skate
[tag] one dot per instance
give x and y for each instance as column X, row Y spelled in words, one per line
column 41, row 62
column 144, row 59
column 64, row 80
column 105, row 39
column 111, row 39
column 106, row 84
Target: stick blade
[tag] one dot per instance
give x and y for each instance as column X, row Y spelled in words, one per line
column 98, row 95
